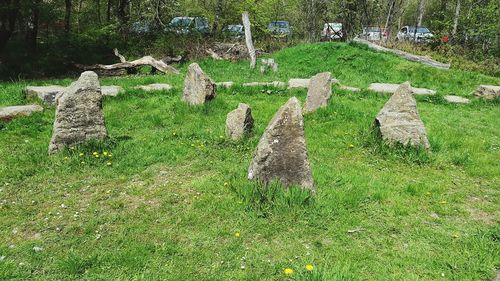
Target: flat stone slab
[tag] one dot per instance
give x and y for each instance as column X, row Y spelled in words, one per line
column 111, row 91
column 227, row 84
column 154, row 87
column 391, row 88
column 456, row 99
column 271, row 84
column 10, row 112
column 488, row 92
column 46, row 93
column 298, row 83
column 349, row 88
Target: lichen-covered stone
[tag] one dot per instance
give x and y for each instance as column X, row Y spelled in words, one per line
column 198, row 87
column 239, row 122
column 399, row 121
column 79, row 115
column 319, row 93
column 282, row 153
column 488, row 92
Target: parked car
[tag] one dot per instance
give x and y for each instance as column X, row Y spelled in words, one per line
column 374, row 33
column 280, row 28
column 332, row 31
column 185, row 25
column 410, row 33
column 234, row 30
column 141, row 27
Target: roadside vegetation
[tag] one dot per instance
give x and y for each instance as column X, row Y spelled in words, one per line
column 166, row 197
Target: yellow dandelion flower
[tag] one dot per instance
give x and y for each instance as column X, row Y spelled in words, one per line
column 83, row 162
column 309, row 267
column 237, row 234
column 97, row 156
column 66, row 158
column 81, row 154
column 110, row 155
column 288, row 271
column 95, row 153
column 105, row 153
column 443, row 202
column 109, row 163
column 226, row 184
column 351, row 145
column 221, row 136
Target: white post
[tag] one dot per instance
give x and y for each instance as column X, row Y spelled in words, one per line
column 248, row 39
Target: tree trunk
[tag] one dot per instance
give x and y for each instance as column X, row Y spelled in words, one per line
column 8, row 19
column 455, row 19
column 123, row 9
column 248, row 39
column 108, row 12
column 388, row 21
column 98, row 10
column 421, row 10
column 67, row 16
column 32, row 32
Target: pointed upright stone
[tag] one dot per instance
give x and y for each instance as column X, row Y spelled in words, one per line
column 79, row 115
column 319, row 93
column 239, row 122
column 198, row 87
column 282, row 153
column 399, row 121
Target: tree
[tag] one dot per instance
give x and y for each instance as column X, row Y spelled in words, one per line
column 9, row 12
column 67, row 16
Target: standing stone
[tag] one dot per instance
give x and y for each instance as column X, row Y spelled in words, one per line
column 399, row 121
column 198, row 87
column 488, row 92
column 281, row 153
column 239, row 122
column 79, row 115
column 319, row 93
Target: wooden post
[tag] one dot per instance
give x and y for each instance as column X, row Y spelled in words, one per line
column 248, row 39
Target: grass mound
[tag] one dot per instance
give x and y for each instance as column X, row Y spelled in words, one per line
column 168, row 199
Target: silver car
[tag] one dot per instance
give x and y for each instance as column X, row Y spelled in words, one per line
column 410, row 33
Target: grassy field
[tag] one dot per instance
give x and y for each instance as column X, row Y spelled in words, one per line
column 168, row 198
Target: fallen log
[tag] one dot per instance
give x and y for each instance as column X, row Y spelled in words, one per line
column 130, row 66
column 408, row 56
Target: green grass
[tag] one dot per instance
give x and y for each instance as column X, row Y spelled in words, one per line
column 176, row 193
